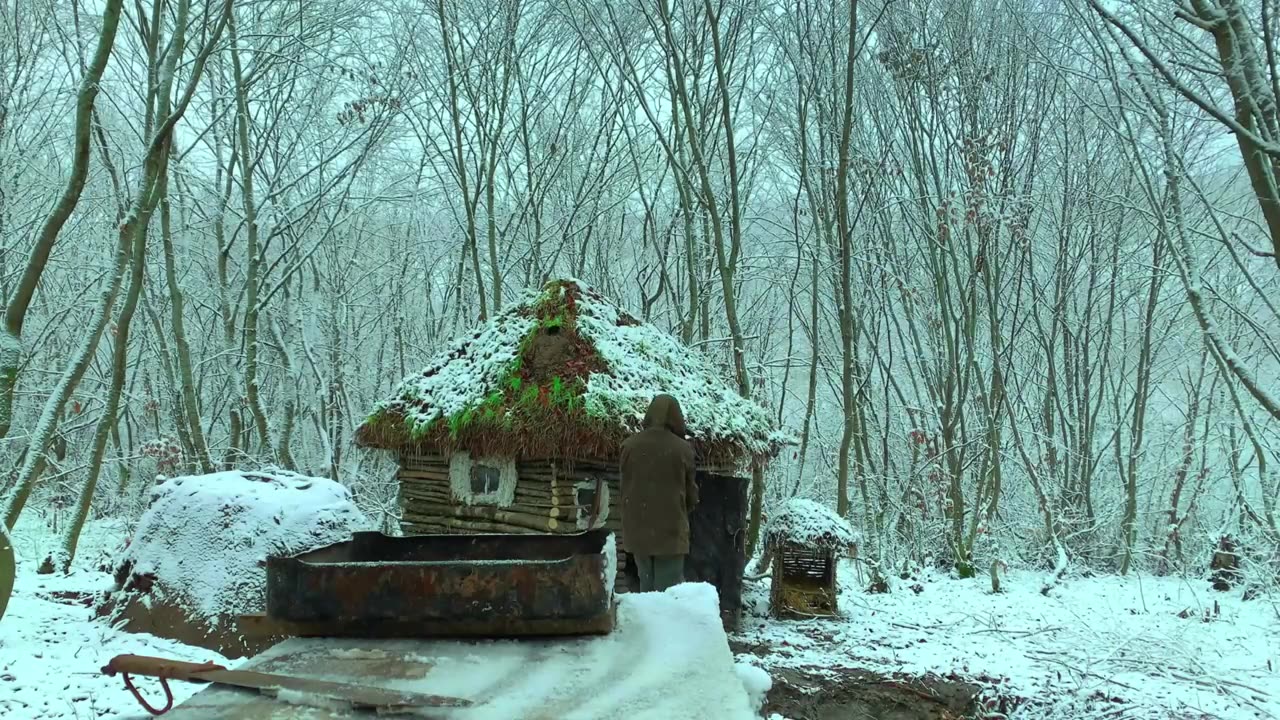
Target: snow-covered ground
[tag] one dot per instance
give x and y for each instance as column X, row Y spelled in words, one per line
column 52, row 648
column 667, row 659
column 1136, row 647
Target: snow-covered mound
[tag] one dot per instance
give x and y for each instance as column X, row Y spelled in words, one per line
column 755, row 681
column 809, row 523
column 201, row 547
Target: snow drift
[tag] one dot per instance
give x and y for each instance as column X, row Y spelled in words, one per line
column 667, row 659
column 198, row 557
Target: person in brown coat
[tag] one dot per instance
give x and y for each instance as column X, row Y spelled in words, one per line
column 658, row 493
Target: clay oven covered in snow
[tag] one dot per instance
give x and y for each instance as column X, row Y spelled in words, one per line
column 517, row 428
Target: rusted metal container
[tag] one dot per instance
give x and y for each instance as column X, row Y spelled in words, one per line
column 376, row 585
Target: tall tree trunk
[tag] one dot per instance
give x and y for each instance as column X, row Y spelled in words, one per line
column 1142, row 393
column 119, row 366
column 844, row 232
column 15, row 313
column 187, row 389
column 252, row 250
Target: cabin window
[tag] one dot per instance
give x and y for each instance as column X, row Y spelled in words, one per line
column 482, row 481
column 591, row 496
column 587, row 498
column 485, row 479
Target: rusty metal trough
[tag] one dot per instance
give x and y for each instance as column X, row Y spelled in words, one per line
column 376, row 585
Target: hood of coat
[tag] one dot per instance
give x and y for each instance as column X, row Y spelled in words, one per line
column 664, row 411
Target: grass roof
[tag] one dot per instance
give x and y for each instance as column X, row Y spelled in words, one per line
column 809, row 523
column 565, row 373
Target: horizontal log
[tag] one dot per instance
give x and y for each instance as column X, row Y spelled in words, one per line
column 432, row 469
column 409, row 500
column 565, row 495
column 469, row 528
column 566, row 511
column 421, row 479
column 423, row 475
column 413, row 488
column 434, row 525
column 458, row 526
column 539, row 521
column 561, row 496
column 472, row 524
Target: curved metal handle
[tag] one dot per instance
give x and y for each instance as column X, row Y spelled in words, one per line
column 158, row 667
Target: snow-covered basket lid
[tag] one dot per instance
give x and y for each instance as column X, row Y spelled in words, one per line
column 806, row 522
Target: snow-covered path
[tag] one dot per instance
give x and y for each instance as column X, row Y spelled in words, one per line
column 1137, row 647
column 667, row 657
column 52, row 648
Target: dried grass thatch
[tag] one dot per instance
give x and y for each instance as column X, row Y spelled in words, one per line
column 565, row 374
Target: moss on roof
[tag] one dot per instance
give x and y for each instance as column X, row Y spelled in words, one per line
column 565, row 373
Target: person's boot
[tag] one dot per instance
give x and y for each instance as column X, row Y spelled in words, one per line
column 668, row 571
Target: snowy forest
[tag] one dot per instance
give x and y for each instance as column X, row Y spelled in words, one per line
column 1005, row 271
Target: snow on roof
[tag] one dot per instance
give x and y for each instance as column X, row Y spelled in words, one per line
column 482, row 394
column 810, row 523
column 206, row 538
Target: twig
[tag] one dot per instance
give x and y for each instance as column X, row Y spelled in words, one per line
column 1018, row 633
column 1083, row 673
column 1217, row 682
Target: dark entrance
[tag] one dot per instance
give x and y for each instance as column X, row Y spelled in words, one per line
column 717, row 542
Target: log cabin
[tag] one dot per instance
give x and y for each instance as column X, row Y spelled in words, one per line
column 517, row 428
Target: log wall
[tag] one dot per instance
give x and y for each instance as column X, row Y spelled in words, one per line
column 546, row 501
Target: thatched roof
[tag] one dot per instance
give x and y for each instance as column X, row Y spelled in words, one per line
column 809, row 523
column 565, row 373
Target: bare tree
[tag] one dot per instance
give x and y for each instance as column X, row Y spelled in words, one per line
column 15, row 313
column 169, row 104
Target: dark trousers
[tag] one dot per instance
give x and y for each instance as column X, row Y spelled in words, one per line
column 659, row 572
